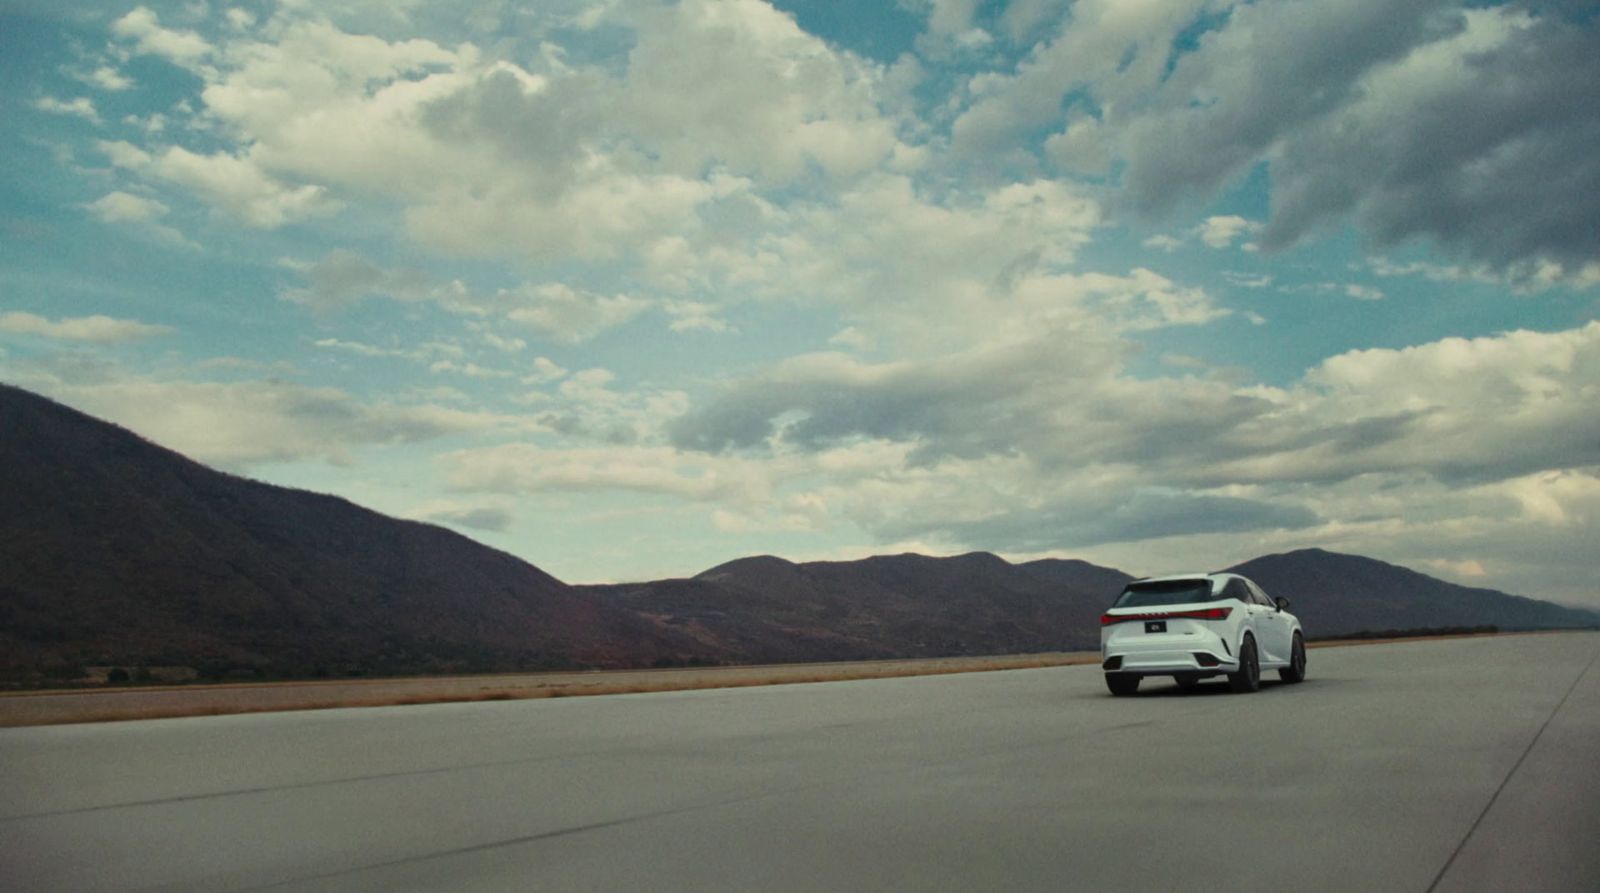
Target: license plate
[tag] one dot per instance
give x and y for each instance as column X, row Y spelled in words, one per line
column 1155, row 626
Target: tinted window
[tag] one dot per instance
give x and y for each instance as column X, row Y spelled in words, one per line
column 1165, row 592
column 1261, row 596
column 1237, row 589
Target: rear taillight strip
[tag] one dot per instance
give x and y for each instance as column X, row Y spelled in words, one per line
column 1206, row 614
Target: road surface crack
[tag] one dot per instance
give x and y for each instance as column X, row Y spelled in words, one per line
column 1445, row 869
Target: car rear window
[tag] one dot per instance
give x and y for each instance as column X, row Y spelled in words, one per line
column 1165, row 592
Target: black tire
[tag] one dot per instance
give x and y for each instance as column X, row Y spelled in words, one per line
column 1248, row 678
column 1296, row 670
column 1186, row 681
column 1122, row 684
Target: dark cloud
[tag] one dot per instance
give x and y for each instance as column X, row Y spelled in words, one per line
column 343, row 278
column 1498, row 164
column 965, row 407
column 1145, row 515
column 1273, row 67
column 548, row 129
column 1463, row 411
column 1472, row 130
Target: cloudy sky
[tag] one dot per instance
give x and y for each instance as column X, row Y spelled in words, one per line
column 629, row 288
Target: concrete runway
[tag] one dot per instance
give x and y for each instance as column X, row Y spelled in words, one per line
column 1466, row 764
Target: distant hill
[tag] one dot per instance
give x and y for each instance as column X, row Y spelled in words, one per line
column 766, row 608
column 1335, row 594
column 1080, row 575
column 116, row 551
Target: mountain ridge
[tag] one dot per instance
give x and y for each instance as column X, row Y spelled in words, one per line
column 117, row 551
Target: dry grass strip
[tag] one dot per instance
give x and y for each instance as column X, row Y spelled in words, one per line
column 163, row 702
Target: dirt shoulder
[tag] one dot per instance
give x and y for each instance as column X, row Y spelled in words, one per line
column 156, row 702
column 153, row 702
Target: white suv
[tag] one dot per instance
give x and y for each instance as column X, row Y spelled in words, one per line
column 1191, row 626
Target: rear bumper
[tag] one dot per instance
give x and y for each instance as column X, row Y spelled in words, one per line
column 1204, row 655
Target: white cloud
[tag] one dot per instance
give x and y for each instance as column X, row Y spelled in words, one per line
column 952, row 30
column 234, row 184
column 492, row 516
column 1081, row 148
column 526, row 468
column 548, row 159
column 1248, row 280
column 97, row 328
column 142, row 26
column 694, row 316
column 612, row 167
column 1527, row 277
column 738, row 83
column 553, row 309
column 1219, row 232
column 1121, row 48
column 238, row 425
column 853, row 338
column 567, row 314
column 1363, row 292
column 544, row 371
column 356, row 347
column 598, row 218
column 468, row 369
column 429, row 352
column 1569, row 498
column 1466, row 568
column 81, row 107
column 1458, row 408
column 144, row 213
column 1101, row 302
column 917, row 267
column 120, row 207
column 124, row 154
column 505, row 345
column 107, row 78
column 1223, row 231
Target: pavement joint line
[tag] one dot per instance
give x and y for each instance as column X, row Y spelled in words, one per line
column 426, row 857
column 625, row 820
column 269, row 789
column 354, row 779
column 1445, row 869
column 525, row 839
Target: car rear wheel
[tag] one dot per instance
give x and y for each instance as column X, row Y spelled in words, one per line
column 1122, row 684
column 1248, row 678
column 1296, row 670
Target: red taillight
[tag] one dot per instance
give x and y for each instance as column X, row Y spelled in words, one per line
column 1207, row 614
column 1203, row 614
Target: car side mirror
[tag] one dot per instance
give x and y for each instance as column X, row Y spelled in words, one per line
column 1282, row 603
